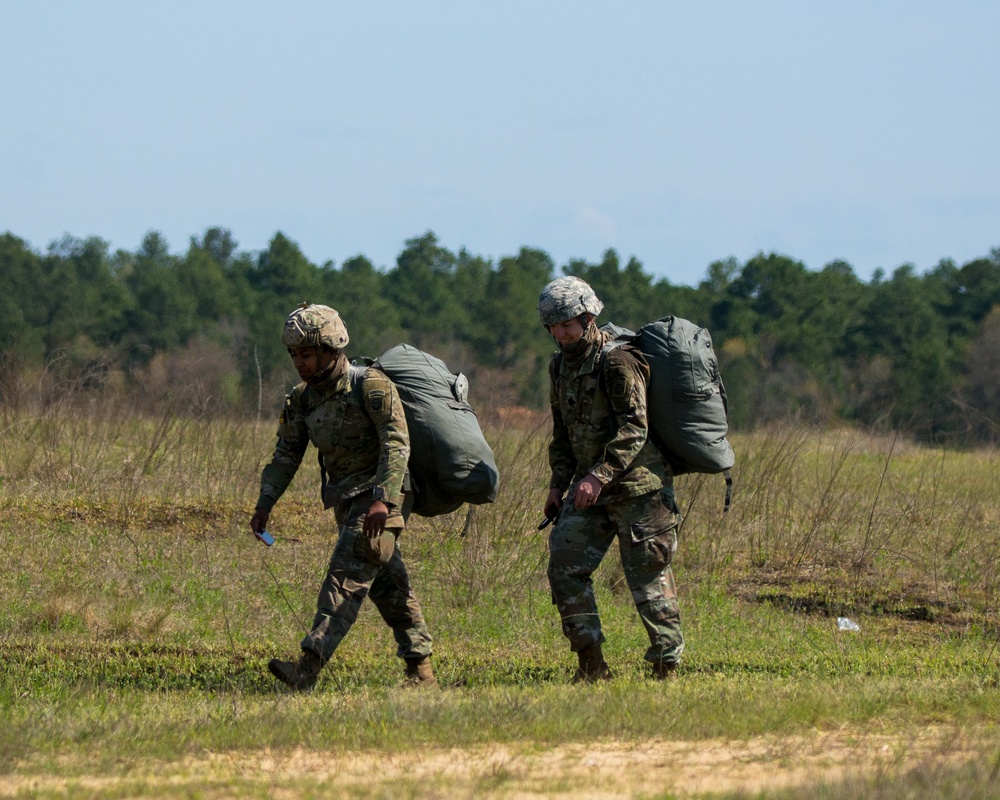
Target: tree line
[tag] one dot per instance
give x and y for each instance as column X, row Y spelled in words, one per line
column 918, row 353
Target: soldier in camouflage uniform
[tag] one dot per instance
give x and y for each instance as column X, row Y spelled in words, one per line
column 364, row 447
column 614, row 482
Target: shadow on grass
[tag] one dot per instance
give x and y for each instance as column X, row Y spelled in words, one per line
column 166, row 667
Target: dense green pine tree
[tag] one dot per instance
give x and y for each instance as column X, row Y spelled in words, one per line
column 916, row 352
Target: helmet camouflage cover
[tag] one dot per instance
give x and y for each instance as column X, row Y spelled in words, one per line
column 566, row 298
column 314, row 326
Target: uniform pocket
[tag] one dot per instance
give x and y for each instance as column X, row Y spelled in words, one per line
column 375, row 551
column 654, row 531
column 651, row 518
column 658, row 550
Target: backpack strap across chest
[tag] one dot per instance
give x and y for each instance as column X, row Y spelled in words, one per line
column 596, row 379
column 356, row 374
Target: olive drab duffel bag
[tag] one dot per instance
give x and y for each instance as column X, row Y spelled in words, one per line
column 686, row 400
column 451, row 462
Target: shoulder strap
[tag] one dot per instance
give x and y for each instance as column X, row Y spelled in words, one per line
column 356, row 373
column 602, row 362
column 611, row 345
column 305, row 396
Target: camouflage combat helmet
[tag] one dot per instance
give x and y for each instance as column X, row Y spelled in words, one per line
column 566, row 298
column 314, row 326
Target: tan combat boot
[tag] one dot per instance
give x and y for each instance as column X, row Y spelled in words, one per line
column 418, row 674
column 300, row 675
column 592, row 667
column 665, row 670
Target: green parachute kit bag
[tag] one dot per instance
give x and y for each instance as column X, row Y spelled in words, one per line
column 686, row 400
column 451, row 462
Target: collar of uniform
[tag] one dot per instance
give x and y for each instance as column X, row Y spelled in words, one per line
column 590, row 360
column 337, row 380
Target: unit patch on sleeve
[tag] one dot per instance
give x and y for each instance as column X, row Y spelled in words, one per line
column 376, row 401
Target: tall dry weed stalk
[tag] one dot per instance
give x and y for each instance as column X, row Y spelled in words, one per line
column 882, row 511
column 499, row 549
column 872, row 507
column 108, row 450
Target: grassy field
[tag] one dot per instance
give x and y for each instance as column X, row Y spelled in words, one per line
column 137, row 616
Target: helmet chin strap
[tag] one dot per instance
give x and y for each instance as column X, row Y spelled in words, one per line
column 337, row 361
column 587, row 322
column 577, row 352
column 333, row 355
column 576, row 347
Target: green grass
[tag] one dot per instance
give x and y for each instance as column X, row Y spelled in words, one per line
column 137, row 614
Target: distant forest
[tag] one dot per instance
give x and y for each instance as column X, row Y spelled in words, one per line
column 915, row 353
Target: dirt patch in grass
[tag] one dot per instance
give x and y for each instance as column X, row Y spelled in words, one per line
column 833, row 592
column 583, row 771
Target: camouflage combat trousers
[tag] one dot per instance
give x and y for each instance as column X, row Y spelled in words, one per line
column 361, row 568
column 647, row 539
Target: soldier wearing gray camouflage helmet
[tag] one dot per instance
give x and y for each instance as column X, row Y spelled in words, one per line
column 607, row 482
column 357, row 423
column 567, row 298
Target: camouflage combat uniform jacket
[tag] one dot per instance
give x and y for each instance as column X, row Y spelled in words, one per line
column 599, row 423
column 363, row 442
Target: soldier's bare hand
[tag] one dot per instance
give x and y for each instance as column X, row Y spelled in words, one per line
column 552, row 504
column 375, row 519
column 258, row 522
column 587, row 492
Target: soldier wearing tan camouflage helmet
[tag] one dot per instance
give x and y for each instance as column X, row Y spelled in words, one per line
column 608, row 482
column 364, row 448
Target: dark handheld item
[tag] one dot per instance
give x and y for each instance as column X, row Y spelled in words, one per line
column 550, row 517
column 265, row 537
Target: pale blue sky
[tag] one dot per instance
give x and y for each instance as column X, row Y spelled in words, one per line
column 678, row 133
